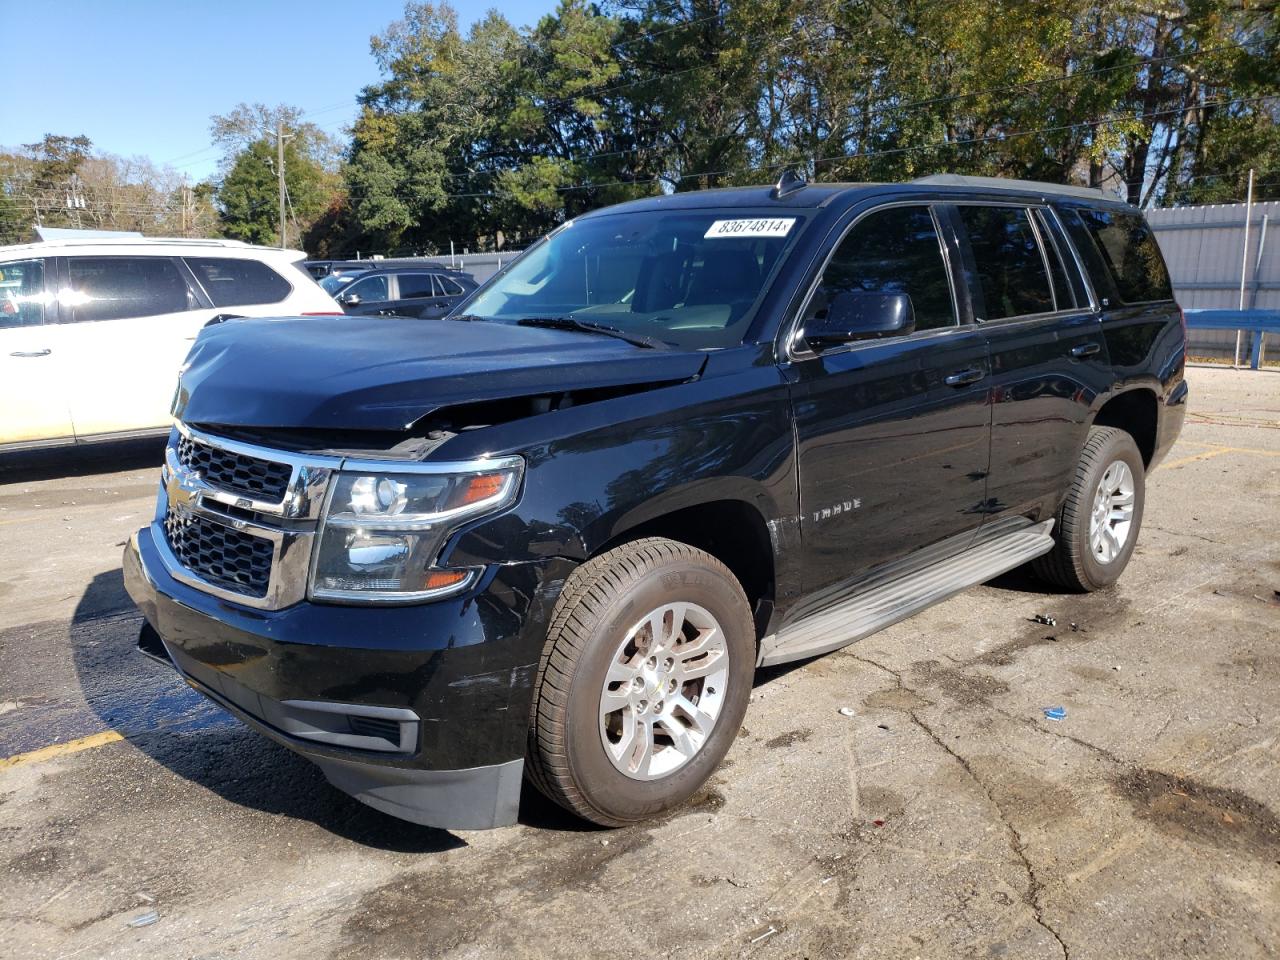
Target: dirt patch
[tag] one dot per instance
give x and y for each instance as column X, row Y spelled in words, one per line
column 420, row 914
column 39, row 862
column 966, row 689
column 789, row 739
column 1095, row 673
column 877, row 803
column 1199, row 813
column 705, row 800
column 895, row 698
column 1078, row 618
column 1254, row 666
column 1006, row 653
column 1035, row 798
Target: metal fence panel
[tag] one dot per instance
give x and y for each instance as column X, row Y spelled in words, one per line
column 1203, row 245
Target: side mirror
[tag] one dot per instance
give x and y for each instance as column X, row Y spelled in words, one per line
column 860, row 315
column 349, row 299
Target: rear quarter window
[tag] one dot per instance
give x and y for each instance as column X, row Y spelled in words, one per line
column 1127, row 251
column 232, row 282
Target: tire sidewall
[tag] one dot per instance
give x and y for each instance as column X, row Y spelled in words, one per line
column 1119, row 447
column 616, row 796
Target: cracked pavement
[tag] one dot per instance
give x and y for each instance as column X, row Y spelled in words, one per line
column 948, row 817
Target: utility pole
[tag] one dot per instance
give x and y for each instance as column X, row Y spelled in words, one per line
column 1244, row 263
column 280, row 177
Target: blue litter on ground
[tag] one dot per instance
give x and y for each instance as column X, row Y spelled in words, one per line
column 1055, row 713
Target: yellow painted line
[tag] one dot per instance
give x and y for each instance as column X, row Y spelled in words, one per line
column 61, row 749
column 1225, row 449
column 1194, row 457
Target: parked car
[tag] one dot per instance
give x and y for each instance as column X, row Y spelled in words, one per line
column 92, row 332
column 678, row 439
column 398, row 291
column 319, row 269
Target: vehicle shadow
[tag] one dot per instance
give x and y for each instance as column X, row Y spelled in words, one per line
column 1022, row 580
column 149, row 704
column 108, row 457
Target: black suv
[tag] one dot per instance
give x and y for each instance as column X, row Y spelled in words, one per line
column 398, row 291
column 676, row 440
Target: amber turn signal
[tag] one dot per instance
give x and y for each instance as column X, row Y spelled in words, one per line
column 439, row 579
column 479, row 487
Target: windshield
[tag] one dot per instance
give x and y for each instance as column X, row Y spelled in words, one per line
column 687, row 278
column 336, row 281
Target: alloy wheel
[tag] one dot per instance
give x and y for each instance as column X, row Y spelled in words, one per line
column 1112, row 518
column 663, row 691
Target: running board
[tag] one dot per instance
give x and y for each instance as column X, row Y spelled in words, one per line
column 883, row 604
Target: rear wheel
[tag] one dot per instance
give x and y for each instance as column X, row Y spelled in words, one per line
column 643, row 682
column 1097, row 525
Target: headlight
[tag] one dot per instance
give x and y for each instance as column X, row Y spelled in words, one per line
column 382, row 532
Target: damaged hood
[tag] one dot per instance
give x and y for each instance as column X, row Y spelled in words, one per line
column 375, row 373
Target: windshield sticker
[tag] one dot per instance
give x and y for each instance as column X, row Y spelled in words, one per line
column 759, row 227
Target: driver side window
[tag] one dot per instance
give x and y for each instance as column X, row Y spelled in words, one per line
column 369, row 290
column 893, row 251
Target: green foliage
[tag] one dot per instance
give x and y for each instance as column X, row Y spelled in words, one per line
column 502, row 131
column 247, row 194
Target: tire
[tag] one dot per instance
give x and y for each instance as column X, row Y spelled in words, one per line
column 1079, row 561
column 603, row 623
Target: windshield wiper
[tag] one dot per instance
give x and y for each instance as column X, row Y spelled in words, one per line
column 583, row 326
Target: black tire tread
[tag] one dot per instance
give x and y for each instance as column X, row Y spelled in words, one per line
column 1063, row 566
column 587, row 592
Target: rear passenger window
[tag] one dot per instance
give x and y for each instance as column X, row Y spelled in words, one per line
column 1010, row 268
column 449, row 287
column 233, row 282
column 22, row 294
column 1131, row 254
column 414, row 286
column 895, row 250
column 115, row 288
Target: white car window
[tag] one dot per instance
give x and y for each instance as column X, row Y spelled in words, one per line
column 22, row 294
column 114, row 288
column 232, row 282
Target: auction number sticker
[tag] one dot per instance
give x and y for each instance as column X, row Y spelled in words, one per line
column 757, row 227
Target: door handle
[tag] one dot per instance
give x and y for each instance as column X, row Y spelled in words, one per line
column 31, row 353
column 963, row 378
column 1085, row 349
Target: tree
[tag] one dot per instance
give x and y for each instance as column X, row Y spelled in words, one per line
column 247, row 192
column 61, row 182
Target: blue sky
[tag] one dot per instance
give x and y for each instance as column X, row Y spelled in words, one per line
column 142, row 77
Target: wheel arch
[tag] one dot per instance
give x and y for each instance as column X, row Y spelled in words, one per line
column 732, row 530
column 1136, row 412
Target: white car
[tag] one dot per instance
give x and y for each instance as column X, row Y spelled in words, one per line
column 93, row 331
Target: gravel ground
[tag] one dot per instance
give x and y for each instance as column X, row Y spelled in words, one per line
column 947, row 817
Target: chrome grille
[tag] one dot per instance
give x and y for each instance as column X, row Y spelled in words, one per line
column 219, row 554
column 236, row 473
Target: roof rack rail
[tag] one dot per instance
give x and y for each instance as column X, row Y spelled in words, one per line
column 1002, row 183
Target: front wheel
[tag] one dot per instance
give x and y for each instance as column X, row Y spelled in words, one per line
column 1097, row 525
column 643, row 682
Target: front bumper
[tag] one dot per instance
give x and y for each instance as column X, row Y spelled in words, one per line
column 419, row 711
